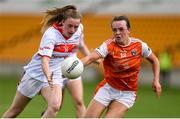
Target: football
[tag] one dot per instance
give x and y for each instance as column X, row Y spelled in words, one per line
column 72, row 67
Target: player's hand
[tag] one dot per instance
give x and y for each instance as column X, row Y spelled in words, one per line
column 156, row 88
column 50, row 81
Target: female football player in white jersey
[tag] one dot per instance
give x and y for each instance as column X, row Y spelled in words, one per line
column 62, row 37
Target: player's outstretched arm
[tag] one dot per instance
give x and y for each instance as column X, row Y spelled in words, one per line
column 90, row 58
column 155, row 65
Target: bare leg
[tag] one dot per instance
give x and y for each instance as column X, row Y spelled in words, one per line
column 116, row 110
column 75, row 88
column 17, row 106
column 42, row 113
column 53, row 99
column 95, row 109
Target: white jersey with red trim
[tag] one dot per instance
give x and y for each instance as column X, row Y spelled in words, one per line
column 55, row 46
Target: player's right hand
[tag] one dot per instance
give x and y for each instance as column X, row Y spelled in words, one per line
column 50, row 81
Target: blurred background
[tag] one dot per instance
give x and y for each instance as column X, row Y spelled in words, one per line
column 156, row 22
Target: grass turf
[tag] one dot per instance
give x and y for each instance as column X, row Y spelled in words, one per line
column 146, row 106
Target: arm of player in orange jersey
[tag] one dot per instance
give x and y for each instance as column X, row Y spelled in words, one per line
column 155, row 65
column 91, row 58
column 85, row 51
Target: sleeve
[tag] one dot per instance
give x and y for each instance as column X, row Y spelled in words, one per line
column 146, row 51
column 46, row 45
column 81, row 43
column 102, row 50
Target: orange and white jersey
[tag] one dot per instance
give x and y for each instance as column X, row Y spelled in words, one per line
column 57, row 47
column 122, row 63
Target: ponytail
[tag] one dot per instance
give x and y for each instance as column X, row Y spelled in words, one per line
column 56, row 15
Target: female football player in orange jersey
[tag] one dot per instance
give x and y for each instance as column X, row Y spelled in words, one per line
column 122, row 57
column 62, row 37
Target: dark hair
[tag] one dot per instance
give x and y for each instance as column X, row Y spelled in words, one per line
column 58, row 14
column 120, row 18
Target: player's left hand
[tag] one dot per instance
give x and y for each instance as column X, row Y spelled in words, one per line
column 156, row 88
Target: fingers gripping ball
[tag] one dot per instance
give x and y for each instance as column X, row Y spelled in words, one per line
column 72, row 67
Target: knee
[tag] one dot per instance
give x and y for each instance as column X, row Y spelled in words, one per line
column 54, row 108
column 79, row 102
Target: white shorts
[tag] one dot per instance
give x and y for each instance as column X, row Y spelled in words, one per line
column 29, row 86
column 106, row 94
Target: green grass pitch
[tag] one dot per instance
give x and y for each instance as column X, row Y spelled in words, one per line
column 146, row 106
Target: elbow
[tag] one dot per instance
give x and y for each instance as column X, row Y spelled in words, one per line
column 156, row 63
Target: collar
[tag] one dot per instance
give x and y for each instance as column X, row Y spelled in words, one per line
column 129, row 42
column 55, row 25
